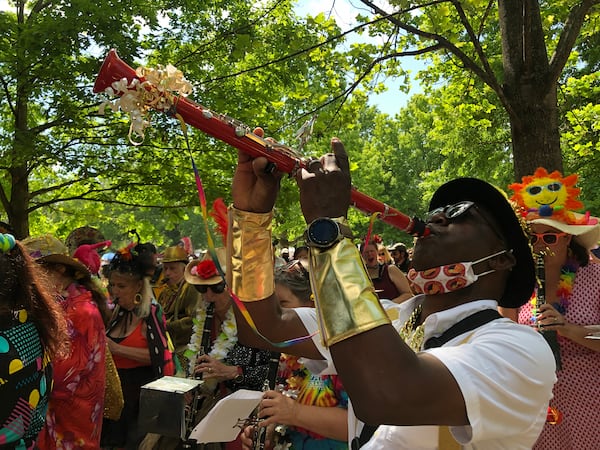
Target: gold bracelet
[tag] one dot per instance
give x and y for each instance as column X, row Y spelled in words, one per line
column 250, row 270
column 344, row 295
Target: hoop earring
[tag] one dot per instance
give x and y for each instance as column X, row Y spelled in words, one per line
column 137, row 299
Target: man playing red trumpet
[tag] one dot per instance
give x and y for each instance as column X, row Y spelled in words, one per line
column 469, row 378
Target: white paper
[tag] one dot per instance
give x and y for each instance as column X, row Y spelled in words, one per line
column 221, row 423
column 173, row 384
column 596, row 331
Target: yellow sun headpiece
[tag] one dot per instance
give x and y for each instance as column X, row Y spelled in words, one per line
column 550, row 195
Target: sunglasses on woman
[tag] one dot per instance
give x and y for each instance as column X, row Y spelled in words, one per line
column 547, row 238
column 216, row 288
column 297, row 267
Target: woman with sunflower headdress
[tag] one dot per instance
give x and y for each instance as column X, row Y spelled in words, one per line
column 563, row 239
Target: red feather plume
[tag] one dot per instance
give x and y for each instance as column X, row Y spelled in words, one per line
column 219, row 213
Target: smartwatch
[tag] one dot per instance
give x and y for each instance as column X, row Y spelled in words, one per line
column 325, row 233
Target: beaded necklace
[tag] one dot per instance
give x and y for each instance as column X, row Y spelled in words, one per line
column 411, row 334
column 563, row 291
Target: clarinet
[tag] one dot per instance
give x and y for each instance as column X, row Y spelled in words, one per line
column 549, row 335
column 205, row 346
column 260, row 433
column 240, row 136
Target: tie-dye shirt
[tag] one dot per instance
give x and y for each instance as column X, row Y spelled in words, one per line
column 313, row 390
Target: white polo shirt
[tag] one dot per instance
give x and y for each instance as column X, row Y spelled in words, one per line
column 505, row 372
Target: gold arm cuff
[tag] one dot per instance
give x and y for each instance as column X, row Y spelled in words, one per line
column 344, row 295
column 250, row 269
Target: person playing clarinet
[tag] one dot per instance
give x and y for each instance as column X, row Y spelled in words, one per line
column 571, row 289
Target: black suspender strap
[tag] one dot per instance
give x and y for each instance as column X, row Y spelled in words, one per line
column 467, row 324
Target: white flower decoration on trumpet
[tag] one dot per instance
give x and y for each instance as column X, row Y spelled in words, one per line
column 157, row 91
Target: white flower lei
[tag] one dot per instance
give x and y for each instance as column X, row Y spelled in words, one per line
column 225, row 341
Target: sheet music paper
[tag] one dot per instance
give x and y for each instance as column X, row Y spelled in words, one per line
column 595, row 331
column 221, row 423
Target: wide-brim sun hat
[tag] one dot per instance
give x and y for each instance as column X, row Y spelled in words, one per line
column 49, row 249
column 83, row 235
column 552, row 199
column 521, row 280
column 585, row 235
column 204, row 271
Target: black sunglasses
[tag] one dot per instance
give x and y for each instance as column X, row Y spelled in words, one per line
column 216, row 288
column 456, row 210
column 450, row 211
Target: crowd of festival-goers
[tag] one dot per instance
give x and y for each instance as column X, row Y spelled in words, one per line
column 483, row 334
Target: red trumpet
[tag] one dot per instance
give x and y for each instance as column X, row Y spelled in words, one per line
column 240, row 136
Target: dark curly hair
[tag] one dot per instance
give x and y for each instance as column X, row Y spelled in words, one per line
column 135, row 259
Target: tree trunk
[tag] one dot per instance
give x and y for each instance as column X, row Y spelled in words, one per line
column 18, row 212
column 529, row 89
column 535, row 135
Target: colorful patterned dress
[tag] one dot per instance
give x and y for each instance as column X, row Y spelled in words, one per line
column 74, row 419
column 25, row 381
column 576, row 393
column 313, row 390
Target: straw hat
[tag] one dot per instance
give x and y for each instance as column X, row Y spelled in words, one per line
column 83, row 235
column 585, row 235
column 203, row 271
column 48, row 249
column 551, row 199
column 175, row 254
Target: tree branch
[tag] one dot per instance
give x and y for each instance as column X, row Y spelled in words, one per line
column 468, row 63
column 8, row 98
column 373, row 63
column 105, row 201
column 568, row 38
column 299, row 52
column 476, row 44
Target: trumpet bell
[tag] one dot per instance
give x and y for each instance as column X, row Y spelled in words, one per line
column 113, row 69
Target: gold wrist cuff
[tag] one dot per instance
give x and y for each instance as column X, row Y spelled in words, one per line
column 344, row 295
column 250, row 269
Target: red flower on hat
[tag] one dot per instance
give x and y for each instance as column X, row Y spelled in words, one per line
column 205, row 270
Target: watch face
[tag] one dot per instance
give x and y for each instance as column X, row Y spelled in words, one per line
column 323, row 232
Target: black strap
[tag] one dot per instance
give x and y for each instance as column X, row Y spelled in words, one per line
column 364, row 437
column 467, row 324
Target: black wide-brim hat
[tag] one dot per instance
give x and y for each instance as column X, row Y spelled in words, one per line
column 521, row 281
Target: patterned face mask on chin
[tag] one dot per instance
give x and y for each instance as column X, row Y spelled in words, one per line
column 447, row 278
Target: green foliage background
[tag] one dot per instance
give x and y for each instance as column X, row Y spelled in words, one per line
column 263, row 65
